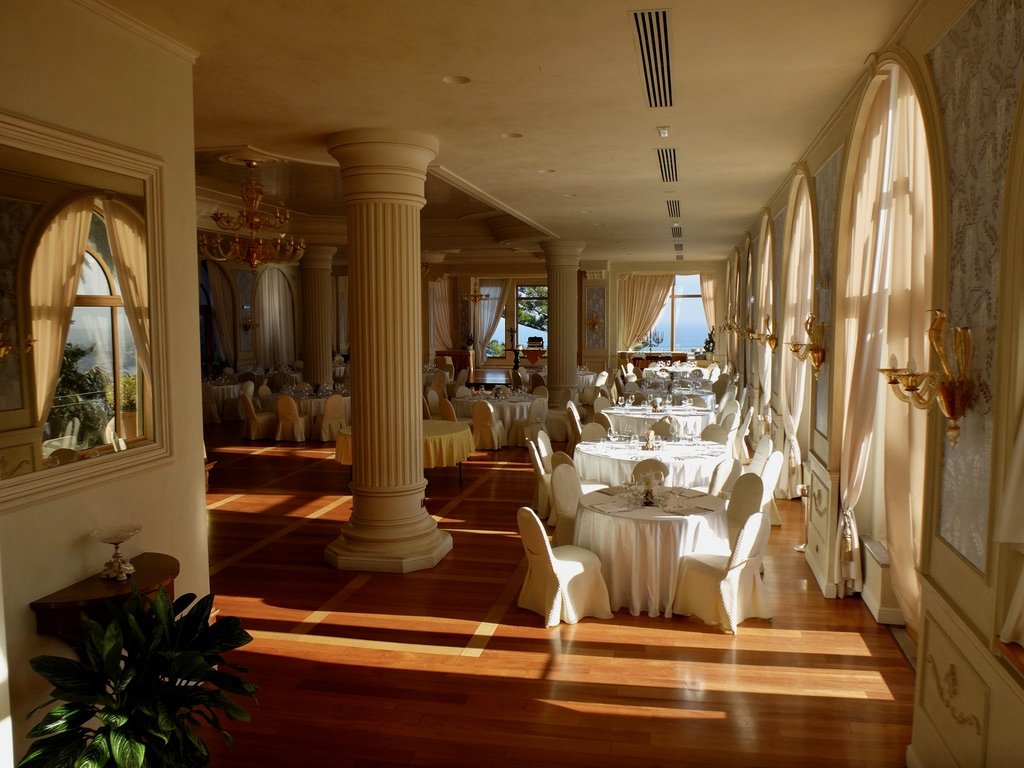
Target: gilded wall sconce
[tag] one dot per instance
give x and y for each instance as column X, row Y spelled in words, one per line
column 952, row 391
column 815, row 348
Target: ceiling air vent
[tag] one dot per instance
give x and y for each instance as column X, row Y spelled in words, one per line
column 677, row 230
column 679, row 247
column 667, row 162
column 652, row 42
column 673, row 208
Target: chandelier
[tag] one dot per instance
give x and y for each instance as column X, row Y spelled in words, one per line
column 255, row 248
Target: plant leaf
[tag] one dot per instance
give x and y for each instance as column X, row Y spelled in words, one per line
column 68, row 676
column 62, row 718
column 127, row 752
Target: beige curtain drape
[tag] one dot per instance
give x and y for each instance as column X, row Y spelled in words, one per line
column 905, row 428
column 53, row 284
column 641, row 299
column 491, row 310
column 709, row 298
column 764, row 301
column 126, row 233
column 442, row 302
column 798, row 302
column 274, row 314
column 223, row 310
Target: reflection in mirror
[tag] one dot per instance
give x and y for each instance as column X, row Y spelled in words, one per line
column 76, row 380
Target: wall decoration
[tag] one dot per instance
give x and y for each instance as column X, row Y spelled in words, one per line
column 826, row 188
column 978, row 73
column 594, row 314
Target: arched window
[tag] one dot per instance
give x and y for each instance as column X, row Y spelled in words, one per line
column 90, row 364
column 884, row 297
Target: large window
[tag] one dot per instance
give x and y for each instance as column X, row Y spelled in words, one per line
column 532, row 314
column 96, row 398
column 681, row 325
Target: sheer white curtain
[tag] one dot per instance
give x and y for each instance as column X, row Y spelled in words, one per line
column 1010, row 529
column 709, row 297
column 798, row 302
column 53, row 284
column 862, row 310
column 765, row 313
column 442, row 303
column 731, row 339
column 223, row 299
column 126, row 233
column 641, row 299
column 274, row 314
column 490, row 310
column 906, row 428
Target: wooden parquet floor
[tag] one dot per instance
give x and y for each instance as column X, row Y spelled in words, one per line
column 441, row 668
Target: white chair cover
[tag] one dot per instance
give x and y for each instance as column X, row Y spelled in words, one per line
column 543, row 490
column 211, row 413
column 260, row 425
column 291, row 425
column 744, row 501
column 770, row 474
column 329, row 423
column 488, row 430
column 760, row 455
column 592, row 433
column 565, row 498
column 562, row 583
column 726, row 590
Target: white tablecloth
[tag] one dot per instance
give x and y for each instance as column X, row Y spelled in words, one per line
column 222, row 392
column 445, row 444
column 509, row 410
column 689, row 463
column 640, row 547
column 637, row 420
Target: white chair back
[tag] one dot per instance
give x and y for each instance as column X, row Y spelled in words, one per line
column 565, row 498
column 650, row 466
column 592, row 433
column 724, row 477
column 760, row 455
column 744, row 501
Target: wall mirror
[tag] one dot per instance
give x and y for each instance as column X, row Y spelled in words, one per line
column 76, row 350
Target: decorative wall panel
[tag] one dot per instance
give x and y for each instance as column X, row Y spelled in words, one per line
column 15, row 218
column 595, row 316
column 826, row 189
column 978, row 71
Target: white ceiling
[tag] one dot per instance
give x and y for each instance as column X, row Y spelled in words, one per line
column 753, row 82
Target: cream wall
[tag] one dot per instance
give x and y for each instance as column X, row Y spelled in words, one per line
column 63, row 64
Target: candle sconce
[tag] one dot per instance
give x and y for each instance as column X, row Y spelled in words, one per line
column 8, row 345
column 815, row 349
column 768, row 337
column 922, row 389
column 247, row 323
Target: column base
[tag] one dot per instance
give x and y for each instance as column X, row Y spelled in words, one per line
column 348, row 555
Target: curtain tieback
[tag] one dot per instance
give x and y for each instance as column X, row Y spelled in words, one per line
column 847, row 545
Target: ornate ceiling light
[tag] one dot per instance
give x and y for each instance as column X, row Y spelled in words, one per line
column 257, row 248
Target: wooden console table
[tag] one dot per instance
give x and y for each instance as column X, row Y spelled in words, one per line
column 60, row 613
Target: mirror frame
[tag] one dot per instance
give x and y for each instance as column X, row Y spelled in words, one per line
column 57, row 151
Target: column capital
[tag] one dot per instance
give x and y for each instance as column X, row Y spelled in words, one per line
column 381, row 163
column 563, row 253
column 318, row 257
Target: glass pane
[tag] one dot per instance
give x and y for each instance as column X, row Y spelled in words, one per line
column 688, row 285
column 93, row 280
column 691, row 329
column 660, row 336
column 532, row 315
column 82, row 401
column 130, row 415
column 495, row 346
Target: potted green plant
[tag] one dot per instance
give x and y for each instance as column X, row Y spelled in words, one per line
column 143, row 684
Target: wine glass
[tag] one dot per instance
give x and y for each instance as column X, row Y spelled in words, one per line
column 622, row 401
column 117, row 567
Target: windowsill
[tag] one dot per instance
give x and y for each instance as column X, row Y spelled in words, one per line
column 1013, row 653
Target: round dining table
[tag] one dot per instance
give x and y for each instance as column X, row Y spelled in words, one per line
column 689, row 462
column 512, row 410
column 636, row 420
column 445, row 444
column 641, row 547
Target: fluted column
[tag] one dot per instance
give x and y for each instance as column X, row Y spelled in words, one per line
column 383, row 174
column 563, row 263
column 318, row 318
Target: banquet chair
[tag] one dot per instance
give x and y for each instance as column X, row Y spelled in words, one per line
column 713, row 372
column 279, row 381
column 328, row 423
column 463, row 391
column 264, row 398
column 228, row 374
column 744, row 500
column 601, row 379
column 536, row 418
column 604, row 421
column 433, row 403
column 211, row 413
column 543, row 441
column 261, row 425
column 543, row 491
column 439, row 384
column 291, row 425
column 770, row 474
column 630, row 388
column 730, row 408
column 536, row 380
column 562, row 583
column 601, row 402
column 452, row 387
column 540, row 391
column 724, row 477
column 696, row 373
column 566, row 491
column 247, row 376
column 426, row 409
column 592, row 433
column 726, row 589
column 447, row 413
column 488, row 430
column 517, row 379
column 760, row 455
column 649, row 466
column 715, row 433
column 669, row 427
column 739, row 443
column 729, row 422
column 575, row 424
column 695, row 401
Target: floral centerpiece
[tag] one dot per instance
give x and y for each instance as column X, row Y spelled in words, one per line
column 648, row 441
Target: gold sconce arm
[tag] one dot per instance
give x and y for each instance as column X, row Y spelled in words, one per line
column 7, row 346
column 814, row 350
column 952, row 391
